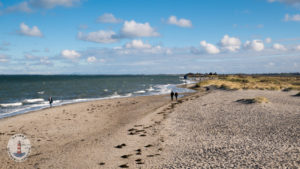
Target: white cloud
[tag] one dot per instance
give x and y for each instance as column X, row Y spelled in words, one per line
column 295, row 17
column 26, row 30
column 133, row 29
column 231, row 44
column 99, row 36
column 295, row 3
column 179, row 22
column 45, row 61
column 137, row 44
column 297, row 47
column 3, row 58
column 109, row 18
column 268, row 40
column 70, row 54
column 91, row 59
column 20, row 7
column 29, row 56
column 53, row 3
column 209, row 48
column 256, row 45
column 278, row 46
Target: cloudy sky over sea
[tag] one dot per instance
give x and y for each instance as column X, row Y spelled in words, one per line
column 149, row 37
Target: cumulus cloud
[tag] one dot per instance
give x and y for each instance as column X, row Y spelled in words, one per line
column 133, row 29
column 256, row 45
column 109, row 18
column 268, row 40
column 27, row 31
column 3, row 58
column 137, row 44
column 70, row 54
column 53, row 3
column 179, row 22
column 209, row 48
column 20, row 7
column 91, row 59
column 295, row 17
column 278, row 46
column 297, row 47
column 99, row 36
column 231, row 44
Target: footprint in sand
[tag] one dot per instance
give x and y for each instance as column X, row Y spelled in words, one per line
column 120, row 146
column 149, row 145
column 138, row 152
column 124, row 166
column 102, row 163
column 126, row 156
column 139, row 161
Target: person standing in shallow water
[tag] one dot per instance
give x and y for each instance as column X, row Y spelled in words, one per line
column 172, row 95
column 50, row 101
column 176, row 95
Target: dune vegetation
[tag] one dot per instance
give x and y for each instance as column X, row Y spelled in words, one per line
column 254, row 100
column 235, row 82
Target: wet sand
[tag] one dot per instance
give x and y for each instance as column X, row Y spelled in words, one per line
column 205, row 129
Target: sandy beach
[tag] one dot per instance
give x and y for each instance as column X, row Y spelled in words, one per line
column 201, row 130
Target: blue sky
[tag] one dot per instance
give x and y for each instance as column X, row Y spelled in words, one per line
column 149, row 37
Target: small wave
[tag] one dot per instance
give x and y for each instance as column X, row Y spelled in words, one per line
column 106, row 90
column 163, row 89
column 115, row 95
column 33, row 100
column 128, row 95
column 140, row 91
column 41, row 92
column 150, row 89
column 11, row 104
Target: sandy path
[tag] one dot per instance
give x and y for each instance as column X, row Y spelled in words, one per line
column 79, row 135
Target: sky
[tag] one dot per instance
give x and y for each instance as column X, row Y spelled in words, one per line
column 149, row 37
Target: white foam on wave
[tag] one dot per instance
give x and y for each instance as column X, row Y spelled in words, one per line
column 151, row 89
column 115, row 95
column 11, row 104
column 140, row 92
column 106, row 90
column 128, row 95
column 41, row 92
column 163, row 89
column 33, row 100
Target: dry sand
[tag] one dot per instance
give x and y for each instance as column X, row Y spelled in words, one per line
column 199, row 131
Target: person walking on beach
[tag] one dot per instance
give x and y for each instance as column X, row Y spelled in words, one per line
column 172, row 95
column 176, row 95
column 50, row 101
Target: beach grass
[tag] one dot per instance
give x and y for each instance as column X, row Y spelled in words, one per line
column 259, row 99
column 235, row 82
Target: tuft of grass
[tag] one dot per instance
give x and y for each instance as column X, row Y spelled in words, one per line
column 234, row 82
column 254, row 100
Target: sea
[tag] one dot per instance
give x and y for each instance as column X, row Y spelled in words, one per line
column 24, row 93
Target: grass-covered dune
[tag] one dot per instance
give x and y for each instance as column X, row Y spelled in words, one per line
column 262, row 82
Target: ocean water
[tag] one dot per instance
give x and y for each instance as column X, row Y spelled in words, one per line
column 24, row 93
